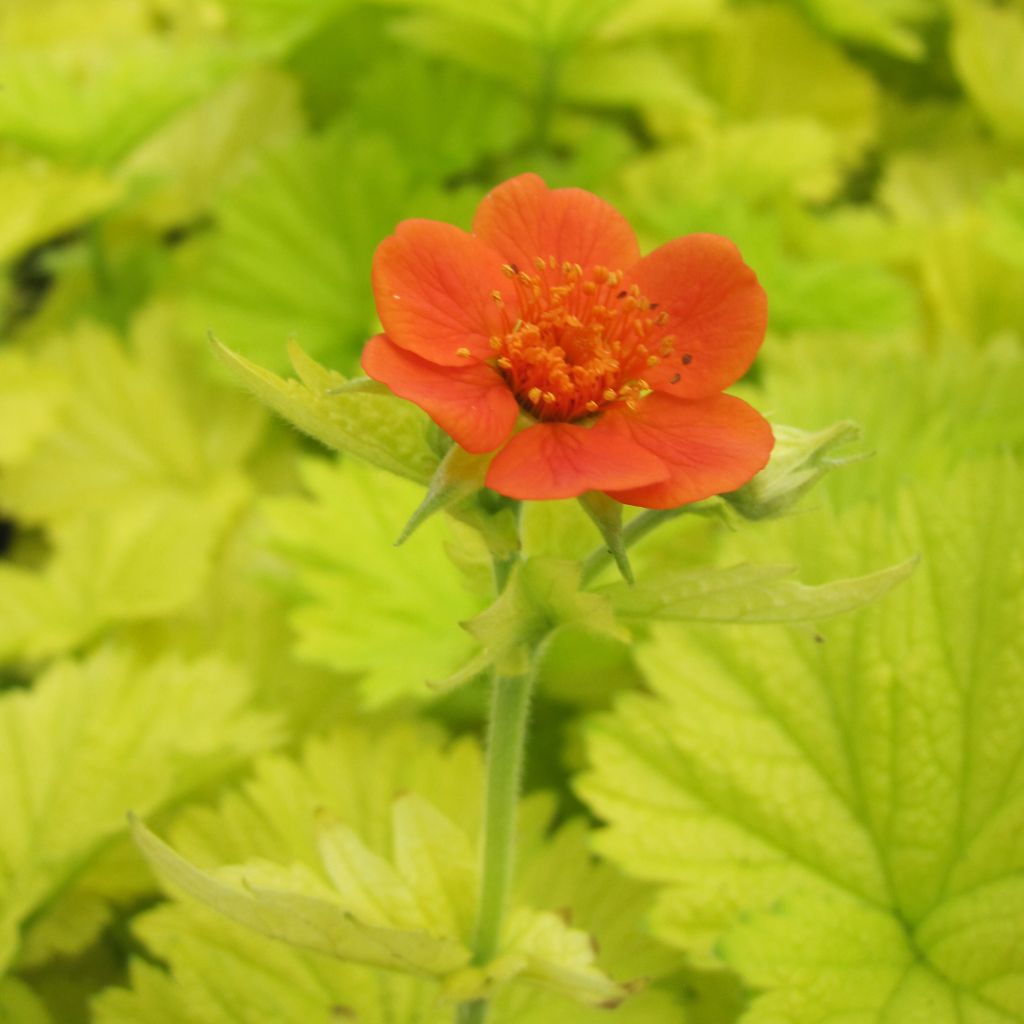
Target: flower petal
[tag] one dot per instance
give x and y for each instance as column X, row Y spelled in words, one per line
column 710, row 447
column 716, row 310
column 433, row 284
column 523, row 219
column 471, row 403
column 562, row 460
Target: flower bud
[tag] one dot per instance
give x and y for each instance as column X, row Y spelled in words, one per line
column 798, row 461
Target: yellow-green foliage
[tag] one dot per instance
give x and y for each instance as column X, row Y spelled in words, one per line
column 760, row 809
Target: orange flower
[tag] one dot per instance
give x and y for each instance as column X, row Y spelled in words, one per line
column 616, row 361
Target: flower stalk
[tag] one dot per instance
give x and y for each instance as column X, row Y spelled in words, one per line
column 506, row 745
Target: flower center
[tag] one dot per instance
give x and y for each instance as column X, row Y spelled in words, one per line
column 580, row 341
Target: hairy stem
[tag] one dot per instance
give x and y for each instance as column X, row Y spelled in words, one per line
column 506, row 742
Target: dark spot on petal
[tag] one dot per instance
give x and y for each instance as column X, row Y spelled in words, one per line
column 655, row 305
column 675, row 378
column 687, row 359
column 515, row 269
column 621, row 295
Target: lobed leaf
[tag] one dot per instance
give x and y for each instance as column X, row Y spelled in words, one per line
column 380, row 429
column 74, row 760
column 830, row 814
column 361, row 605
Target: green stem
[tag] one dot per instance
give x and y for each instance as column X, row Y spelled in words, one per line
column 506, row 742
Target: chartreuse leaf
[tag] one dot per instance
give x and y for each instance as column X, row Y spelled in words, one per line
column 581, row 52
column 770, row 63
column 988, row 51
column 294, row 906
column 764, row 161
column 891, row 25
column 363, row 605
column 1004, row 204
column 810, row 290
column 294, row 242
column 916, row 418
column 18, row 1004
column 408, row 858
column 183, row 168
column 835, row 815
column 136, row 423
column 150, row 559
column 747, row 593
column 280, row 24
column 30, row 397
column 133, row 462
column 91, row 104
column 954, row 204
column 381, row 429
column 42, row 200
column 542, row 595
column 75, row 758
column 444, row 119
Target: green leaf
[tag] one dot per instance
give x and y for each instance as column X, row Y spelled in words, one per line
column 149, row 559
column 442, row 119
column 810, row 290
column 748, row 593
column 18, row 1005
column 295, row 907
column 42, row 200
column 290, row 809
column 762, row 162
column 184, row 167
column 890, row 25
column 919, row 416
column 137, row 423
column 831, row 815
column 75, row 759
column 30, row 398
column 1004, row 204
column 280, row 24
column 92, row 104
column 293, row 245
column 541, row 595
column 381, row 429
column 988, row 51
column 770, row 63
column 363, row 605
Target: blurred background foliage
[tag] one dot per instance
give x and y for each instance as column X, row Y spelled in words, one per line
column 173, row 555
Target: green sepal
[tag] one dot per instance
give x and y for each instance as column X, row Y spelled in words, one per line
column 457, row 476
column 749, row 593
column 359, row 386
column 541, row 594
column 381, row 429
column 607, row 516
column 798, row 461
